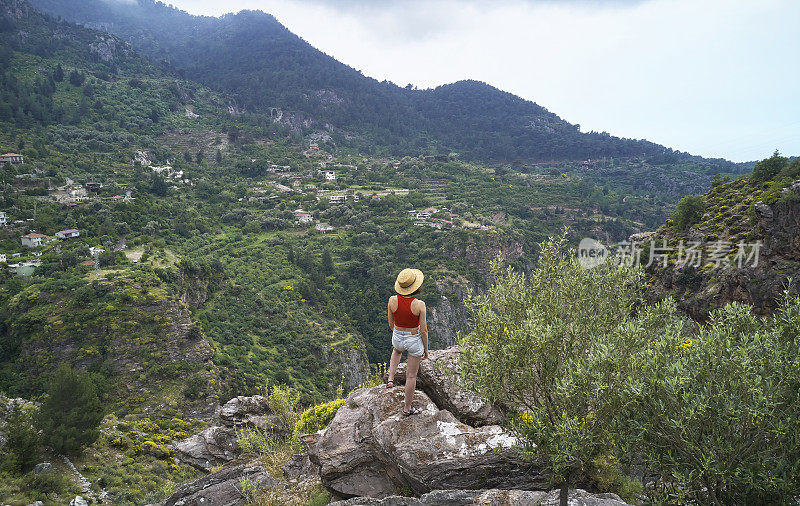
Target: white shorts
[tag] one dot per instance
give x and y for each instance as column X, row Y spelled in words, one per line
column 404, row 340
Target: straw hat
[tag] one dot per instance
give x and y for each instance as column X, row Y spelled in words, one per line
column 408, row 281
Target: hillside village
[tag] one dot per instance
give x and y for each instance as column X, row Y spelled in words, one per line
column 311, row 192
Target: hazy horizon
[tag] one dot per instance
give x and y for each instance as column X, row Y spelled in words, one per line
column 712, row 79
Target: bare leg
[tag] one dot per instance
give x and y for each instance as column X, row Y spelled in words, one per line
column 412, row 366
column 394, row 361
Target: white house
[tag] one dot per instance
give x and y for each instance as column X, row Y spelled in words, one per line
column 68, row 234
column 330, row 175
column 323, row 227
column 12, row 158
column 303, row 216
column 96, row 250
column 3, row 219
column 34, row 240
column 337, row 199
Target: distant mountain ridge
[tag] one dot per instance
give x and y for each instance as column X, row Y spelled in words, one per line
column 253, row 57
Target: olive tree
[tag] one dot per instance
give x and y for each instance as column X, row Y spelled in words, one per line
column 550, row 346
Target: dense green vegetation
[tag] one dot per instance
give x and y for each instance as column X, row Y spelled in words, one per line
column 601, row 381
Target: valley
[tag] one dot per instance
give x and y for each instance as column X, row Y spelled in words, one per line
column 183, row 238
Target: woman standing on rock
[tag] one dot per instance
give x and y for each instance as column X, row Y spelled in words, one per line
column 408, row 322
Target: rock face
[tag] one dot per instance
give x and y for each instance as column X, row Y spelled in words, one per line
column 370, row 449
column 352, row 361
column 449, row 317
column 300, row 467
column 438, row 377
column 494, row 497
column 223, row 488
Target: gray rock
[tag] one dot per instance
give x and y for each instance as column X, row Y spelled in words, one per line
column 210, row 448
column 493, row 497
column 438, row 377
column 78, row 501
column 250, row 411
column 764, row 210
column 42, row 467
column 36, row 503
column 299, row 467
column 370, row 450
column 222, row 488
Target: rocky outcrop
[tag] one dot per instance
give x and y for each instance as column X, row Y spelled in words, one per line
column 371, row 450
column 218, row 445
column 438, row 378
column 105, row 47
column 9, row 405
column 222, row 488
column 251, row 411
column 760, row 284
column 208, row 449
column 494, row 497
column 299, row 467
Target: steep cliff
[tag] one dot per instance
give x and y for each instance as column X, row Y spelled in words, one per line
column 136, row 337
column 749, row 238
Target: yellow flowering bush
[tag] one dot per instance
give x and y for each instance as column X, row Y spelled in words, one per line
column 318, row 417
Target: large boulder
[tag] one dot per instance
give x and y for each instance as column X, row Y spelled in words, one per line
column 494, row 497
column 438, row 377
column 253, row 411
column 210, row 448
column 370, row 449
column 222, row 488
column 218, row 445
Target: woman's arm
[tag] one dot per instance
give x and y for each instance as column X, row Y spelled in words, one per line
column 391, row 314
column 423, row 327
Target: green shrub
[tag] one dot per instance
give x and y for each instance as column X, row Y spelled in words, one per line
column 718, row 412
column 195, row 387
column 768, row 168
column 689, row 211
column 318, row 417
column 23, row 442
column 255, row 441
column 71, row 414
column 283, row 401
column 47, row 482
column 590, row 380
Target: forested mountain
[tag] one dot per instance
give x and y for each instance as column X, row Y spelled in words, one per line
column 255, row 58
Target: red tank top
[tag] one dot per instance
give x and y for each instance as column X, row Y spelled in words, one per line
column 403, row 317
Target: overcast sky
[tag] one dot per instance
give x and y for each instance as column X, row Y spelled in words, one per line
column 711, row 77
